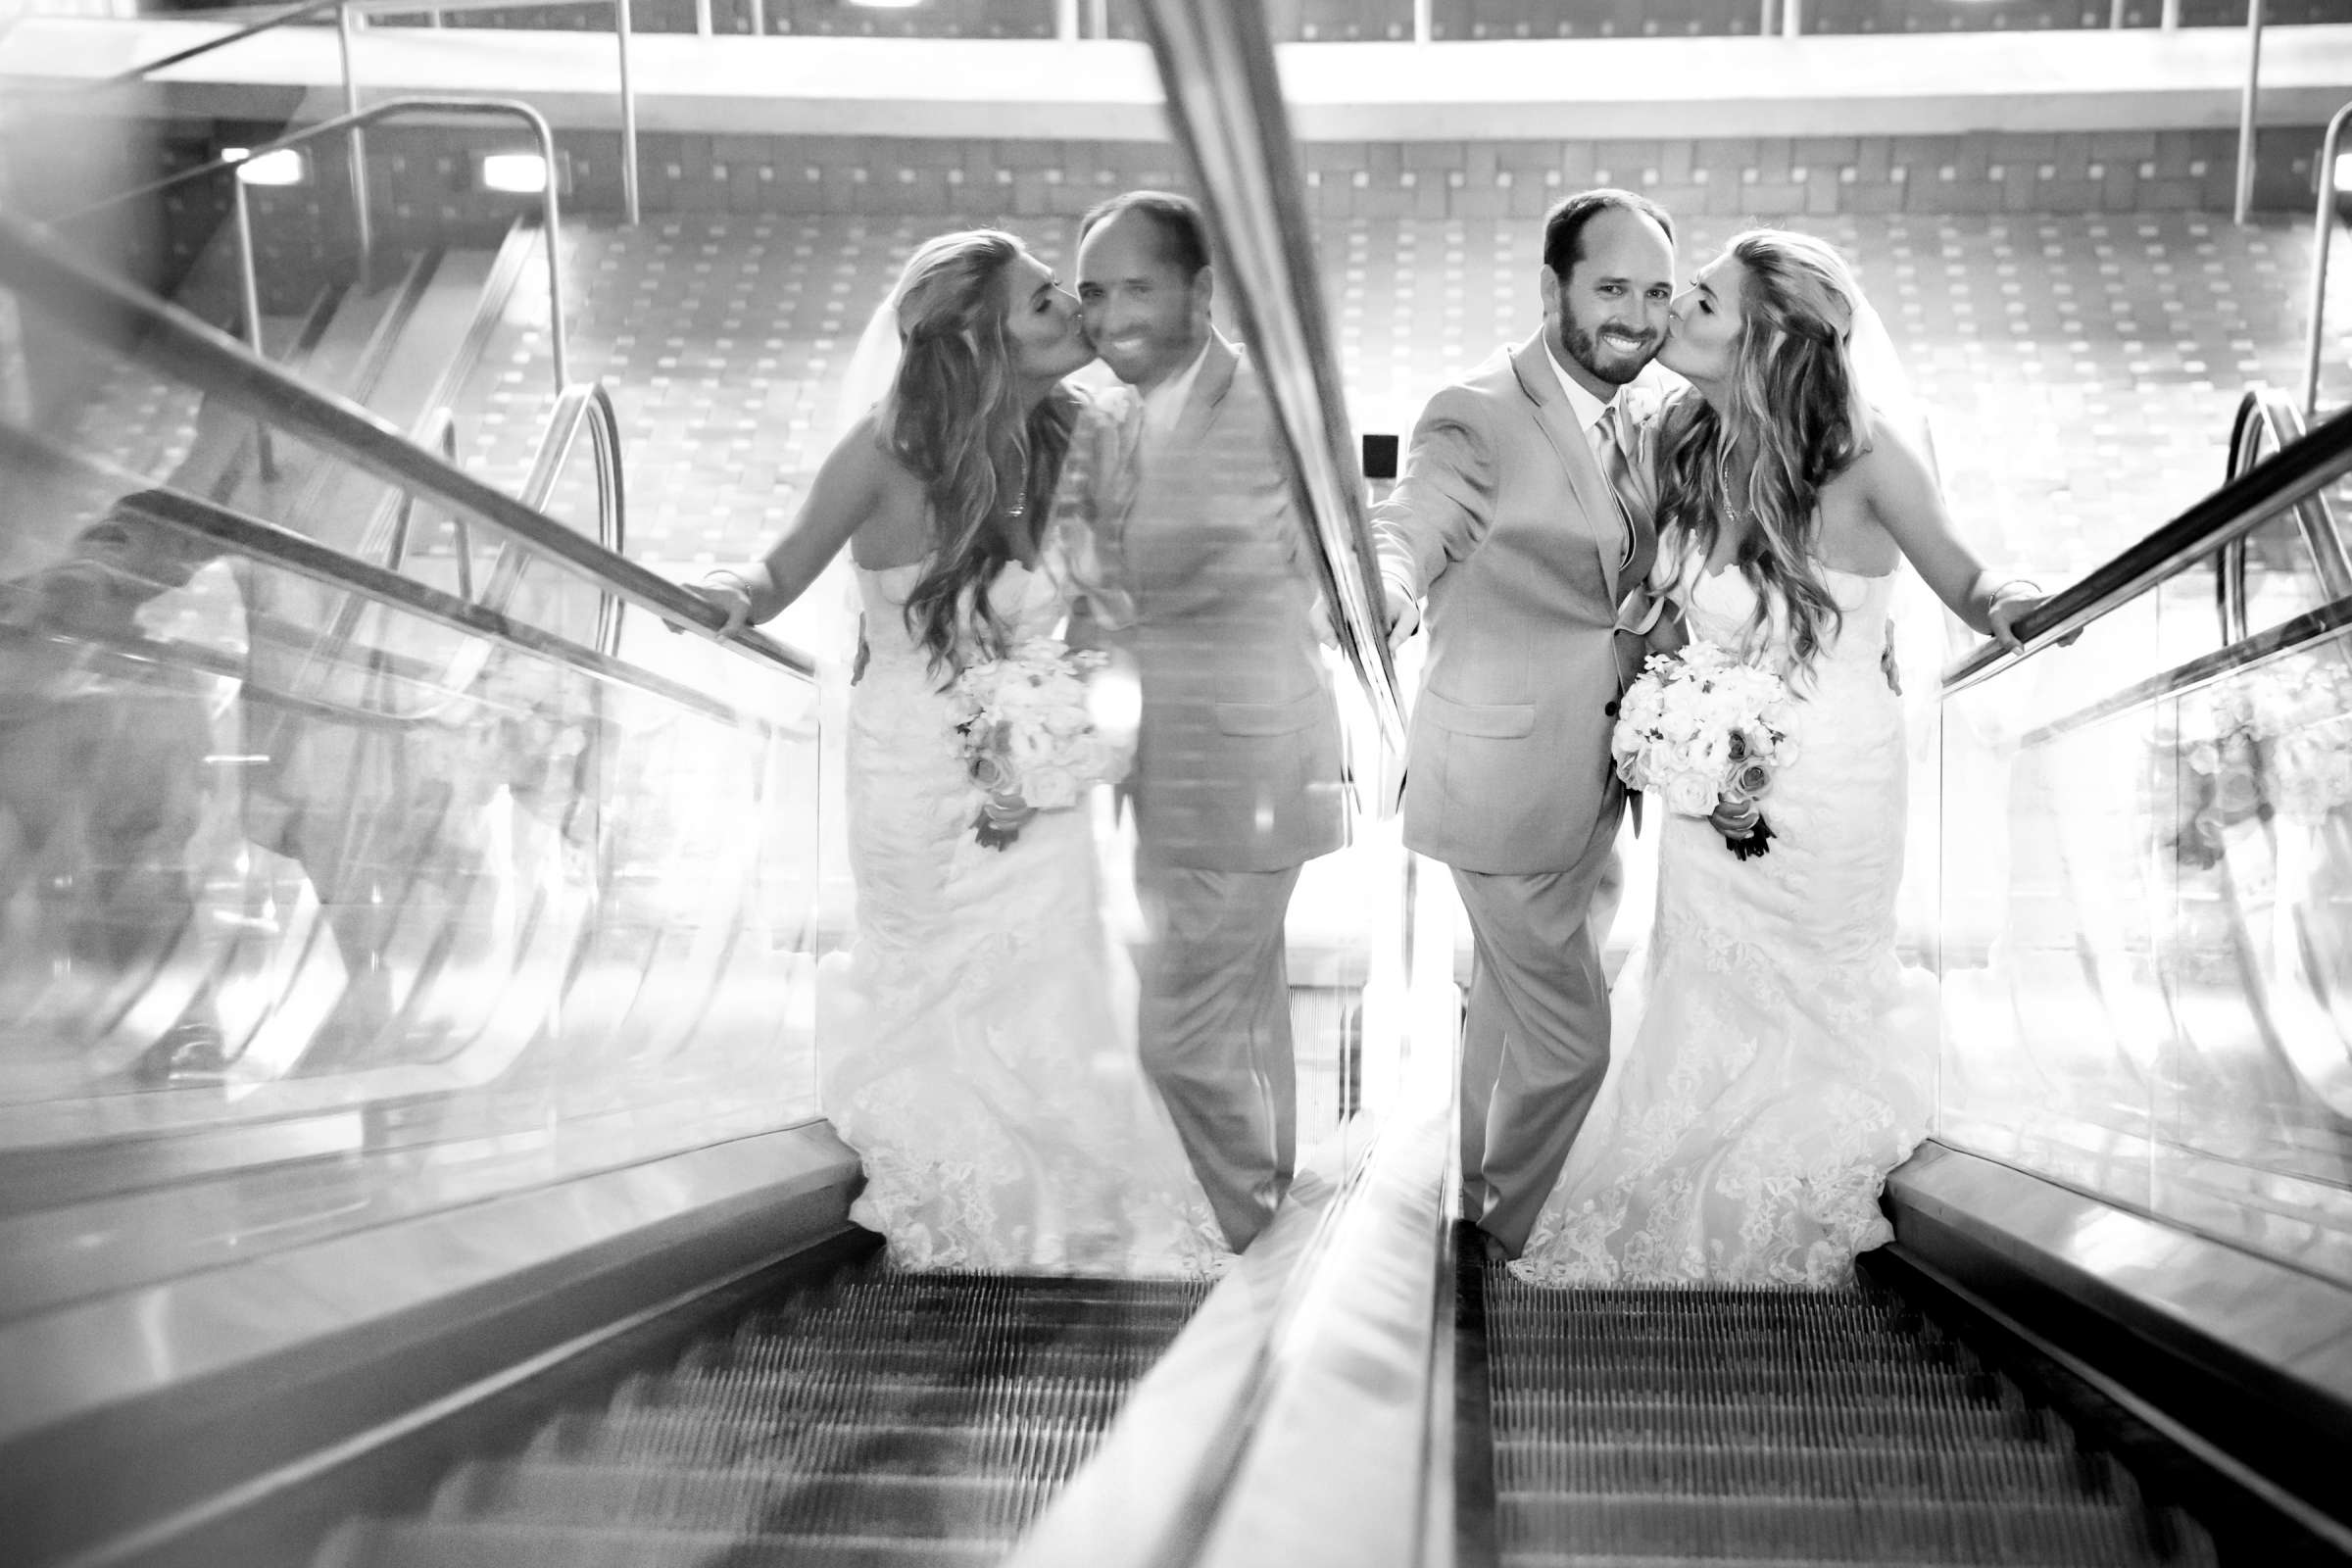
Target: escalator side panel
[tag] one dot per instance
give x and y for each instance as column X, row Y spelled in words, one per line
column 2253, row 1356
column 333, row 1346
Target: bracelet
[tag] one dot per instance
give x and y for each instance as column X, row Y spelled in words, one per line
column 2029, row 585
column 743, row 583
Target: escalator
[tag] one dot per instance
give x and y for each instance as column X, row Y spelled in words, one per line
column 1698, row 1424
column 710, row 1379
column 503, row 1229
column 885, row 1419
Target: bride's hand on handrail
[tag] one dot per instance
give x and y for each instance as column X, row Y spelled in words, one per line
column 2008, row 603
column 730, row 592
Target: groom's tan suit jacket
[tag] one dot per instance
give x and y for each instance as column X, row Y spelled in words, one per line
column 1505, row 525
column 1237, row 775
column 1237, row 760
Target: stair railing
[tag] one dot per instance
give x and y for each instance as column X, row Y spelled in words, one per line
column 348, row 16
column 105, row 310
column 2287, row 478
column 247, row 280
column 2267, row 422
column 226, row 530
column 2323, row 229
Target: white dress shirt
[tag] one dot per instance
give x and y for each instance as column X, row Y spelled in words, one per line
column 1590, row 412
column 1164, row 404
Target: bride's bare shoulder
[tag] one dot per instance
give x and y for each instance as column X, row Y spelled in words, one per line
column 1890, row 464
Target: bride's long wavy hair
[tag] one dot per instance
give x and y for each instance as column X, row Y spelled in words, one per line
column 954, row 418
column 1792, row 400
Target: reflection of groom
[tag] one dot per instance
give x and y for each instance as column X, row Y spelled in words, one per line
column 1237, row 760
column 1509, row 519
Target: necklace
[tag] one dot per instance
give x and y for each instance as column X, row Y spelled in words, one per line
column 1019, row 507
column 1732, row 514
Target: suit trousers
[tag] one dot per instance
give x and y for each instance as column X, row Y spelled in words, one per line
column 1216, row 1029
column 1536, row 1044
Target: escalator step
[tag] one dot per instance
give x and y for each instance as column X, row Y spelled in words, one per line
column 1790, row 1377
column 913, row 1351
column 1572, row 1526
column 1768, row 1427
column 1874, row 1470
column 981, row 1447
column 758, row 1499
column 1722, row 1415
column 889, row 1419
column 906, row 1394
column 802, row 1338
column 1669, row 1343
column 434, row 1543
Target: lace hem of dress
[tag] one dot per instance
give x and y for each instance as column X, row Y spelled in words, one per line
column 1754, row 1150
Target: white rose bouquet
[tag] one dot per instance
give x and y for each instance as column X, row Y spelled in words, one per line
column 1034, row 736
column 1707, row 735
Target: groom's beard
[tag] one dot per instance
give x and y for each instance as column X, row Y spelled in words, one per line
column 1614, row 354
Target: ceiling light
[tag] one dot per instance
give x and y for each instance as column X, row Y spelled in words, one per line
column 284, row 167
column 523, row 173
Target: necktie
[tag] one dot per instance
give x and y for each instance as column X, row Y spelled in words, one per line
column 1615, row 469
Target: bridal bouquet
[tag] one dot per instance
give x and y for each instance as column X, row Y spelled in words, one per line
column 1033, row 734
column 1707, row 734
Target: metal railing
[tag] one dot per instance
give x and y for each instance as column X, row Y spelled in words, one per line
column 248, row 280
column 349, row 14
column 222, row 530
column 2267, row 422
column 107, row 310
column 2243, row 504
column 2323, row 230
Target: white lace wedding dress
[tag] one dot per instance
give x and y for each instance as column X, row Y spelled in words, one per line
column 1772, row 1061
column 976, row 1044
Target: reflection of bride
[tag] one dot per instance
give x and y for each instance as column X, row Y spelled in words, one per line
column 976, row 1044
column 1773, row 1060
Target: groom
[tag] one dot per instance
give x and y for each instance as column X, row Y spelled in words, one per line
column 1237, row 775
column 1518, row 521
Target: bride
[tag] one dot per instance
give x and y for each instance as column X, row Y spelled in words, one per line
column 973, row 1048
column 1781, row 1058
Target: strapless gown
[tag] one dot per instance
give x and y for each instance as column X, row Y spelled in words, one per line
column 1774, row 1058
column 976, row 1045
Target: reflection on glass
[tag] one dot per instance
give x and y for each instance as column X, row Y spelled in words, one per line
column 368, row 911
column 2153, row 1004
column 1066, row 1014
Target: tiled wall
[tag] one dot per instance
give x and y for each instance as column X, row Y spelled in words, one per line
column 1353, row 21
column 1986, row 172
column 423, row 183
column 425, row 175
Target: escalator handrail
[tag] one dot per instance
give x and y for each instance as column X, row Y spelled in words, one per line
column 585, row 403
column 1216, row 65
column 141, row 327
column 282, row 549
column 2322, row 532
column 2314, row 626
column 2238, row 507
column 2323, row 229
